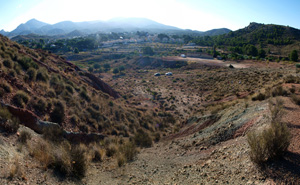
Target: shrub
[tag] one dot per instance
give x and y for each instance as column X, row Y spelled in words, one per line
column 61, row 160
column 296, row 99
column 26, row 63
column 97, row 154
column 58, row 113
column 8, row 63
column 259, row 97
column 57, row 84
column 121, row 160
column 51, row 93
column 292, row 79
column 6, row 87
column 42, row 75
column 21, row 98
column 15, row 169
column 79, row 161
column 156, row 136
column 273, row 141
column 85, row 96
column 9, row 123
column 24, row 136
column 31, row 74
column 54, row 134
column 74, row 119
column 43, row 152
column 40, row 105
column 129, row 151
column 70, row 89
column 279, row 91
column 269, row 144
column 12, row 73
column 111, row 150
column 142, row 139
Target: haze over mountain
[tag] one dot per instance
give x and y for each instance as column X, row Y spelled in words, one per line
column 113, row 25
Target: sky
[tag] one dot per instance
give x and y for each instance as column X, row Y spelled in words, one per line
column 199, row 15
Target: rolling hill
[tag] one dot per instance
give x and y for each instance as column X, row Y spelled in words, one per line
column 280, row 40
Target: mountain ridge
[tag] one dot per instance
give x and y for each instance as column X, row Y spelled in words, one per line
column 89, row 27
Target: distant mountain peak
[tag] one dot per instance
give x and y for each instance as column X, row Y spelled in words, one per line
column 32, row 20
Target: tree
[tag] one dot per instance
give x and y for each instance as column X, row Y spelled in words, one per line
column 148, row 51
column 76, row 50
column 106, row 67
column 251, row 50
column 161, row 36
column 97, row 66
column 294, row 56
column 262, row 53
column 116, row 70
column 121, row 68
column 91, row 69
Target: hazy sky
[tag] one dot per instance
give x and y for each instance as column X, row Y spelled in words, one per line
column 188, row 14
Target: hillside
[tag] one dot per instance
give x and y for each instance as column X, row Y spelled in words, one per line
column 47, row 82
column 281, row 40
column 257, row 33
column 121, row 124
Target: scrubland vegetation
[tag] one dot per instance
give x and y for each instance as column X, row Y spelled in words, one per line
column 100, row 104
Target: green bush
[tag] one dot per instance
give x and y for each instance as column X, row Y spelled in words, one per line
column 21, row 98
